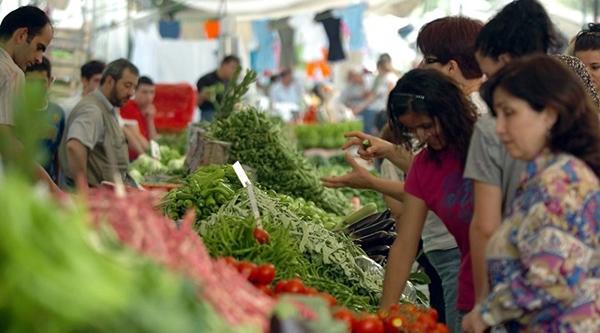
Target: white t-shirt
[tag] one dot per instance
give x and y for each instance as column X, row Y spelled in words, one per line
column 382, row 85
column 12, row 80
column 290, row 94
column 310, row 35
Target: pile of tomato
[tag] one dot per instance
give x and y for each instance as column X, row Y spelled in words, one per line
column 400, row 318
column 262, row 276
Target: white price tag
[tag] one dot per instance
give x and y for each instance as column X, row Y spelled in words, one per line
column 241, row 173
column 154, row 150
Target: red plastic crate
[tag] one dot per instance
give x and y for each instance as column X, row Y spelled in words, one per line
column 175, row 105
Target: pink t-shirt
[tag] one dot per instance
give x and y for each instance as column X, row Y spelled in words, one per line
column 450, row 196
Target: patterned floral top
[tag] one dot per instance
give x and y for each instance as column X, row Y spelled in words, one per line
column 544, row 261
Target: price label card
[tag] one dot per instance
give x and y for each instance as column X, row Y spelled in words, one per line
column 241, row 173
column 154, row 150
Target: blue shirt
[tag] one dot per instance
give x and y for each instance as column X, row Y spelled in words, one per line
column 51, row 141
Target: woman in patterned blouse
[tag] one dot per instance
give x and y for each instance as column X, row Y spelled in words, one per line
column 544, row 261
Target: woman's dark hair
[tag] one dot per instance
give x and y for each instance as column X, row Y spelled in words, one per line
column 452, row 38
column 588, row 39
column 429, row 92
column 544, row 82
column 30, row 17
column 522, row 27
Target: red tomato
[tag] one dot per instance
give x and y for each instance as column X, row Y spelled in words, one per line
column 311, row 291
column 281, row 286
column 329, row 299
column 263, row 274
column 426, row 322
column 432, row 313
column 395, row 324
column 294, row 286
column 261, row 236
column 368, row 324
column 383, row 314
column 246, row 268
column 346, row 316
column 267, row 290
column 230, row 261
column 441, row 328
column 394, row 309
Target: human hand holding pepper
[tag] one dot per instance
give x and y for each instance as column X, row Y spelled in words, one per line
column 369, row 146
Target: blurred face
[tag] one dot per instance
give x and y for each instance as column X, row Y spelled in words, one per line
column 41, row 81
column 424, row 128
column 228, row 69
column 355, row 78
column 144, row 95
column 489, row 66
column 123, row 89
column 521, row 129
column 286, row 79
column 29, row 52
column 91, row 84
column 591, row 59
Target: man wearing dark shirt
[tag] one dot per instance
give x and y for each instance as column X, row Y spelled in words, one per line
column 206, row 83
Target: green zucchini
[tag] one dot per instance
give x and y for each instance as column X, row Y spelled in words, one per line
column 366, row 211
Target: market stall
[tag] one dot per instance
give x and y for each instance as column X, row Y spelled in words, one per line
column 200, row 250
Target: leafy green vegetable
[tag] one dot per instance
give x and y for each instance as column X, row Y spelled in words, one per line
column 326, row 135
column 177, row 142
column 323, row 259
column 233, row 93
column 365, row 196
column 257, row 141
column 205, row 190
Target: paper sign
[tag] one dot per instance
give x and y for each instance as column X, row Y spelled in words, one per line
column 241, row 173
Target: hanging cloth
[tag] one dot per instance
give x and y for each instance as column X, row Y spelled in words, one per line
column 332, row 27
column 353, row 17
column 287, row 58
column 265, row 54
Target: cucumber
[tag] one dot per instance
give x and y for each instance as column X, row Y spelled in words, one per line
column 366, row 211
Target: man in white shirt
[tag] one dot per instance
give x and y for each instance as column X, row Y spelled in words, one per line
column 286, row 94
column 25, row 34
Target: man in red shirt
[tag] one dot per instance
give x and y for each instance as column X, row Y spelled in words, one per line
column 141, row 110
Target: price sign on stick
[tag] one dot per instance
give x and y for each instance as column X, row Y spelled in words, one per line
column 247, row 184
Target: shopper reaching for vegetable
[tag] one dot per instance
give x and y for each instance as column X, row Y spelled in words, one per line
column 371, row 147
column 361, row 178
column 427, row 108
